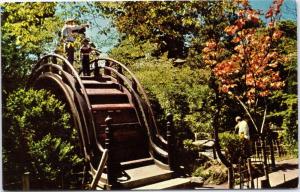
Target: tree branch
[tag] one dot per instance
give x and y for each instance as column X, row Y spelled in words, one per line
column 247, row 111
column 264, row 118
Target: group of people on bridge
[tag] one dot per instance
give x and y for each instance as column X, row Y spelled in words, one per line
column 69, row 32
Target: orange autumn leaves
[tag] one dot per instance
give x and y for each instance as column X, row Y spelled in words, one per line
column 250, row 71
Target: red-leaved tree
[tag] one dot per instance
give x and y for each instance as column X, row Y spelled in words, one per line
column 248, row 70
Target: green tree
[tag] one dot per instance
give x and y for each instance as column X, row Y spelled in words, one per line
column 173, row 26
column 284, row 103
column 28, row 30
column 181, row 91
column 38, row 137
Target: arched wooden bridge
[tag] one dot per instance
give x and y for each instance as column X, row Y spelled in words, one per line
column 120, row 141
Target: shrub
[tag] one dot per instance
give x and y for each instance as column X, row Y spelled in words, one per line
column 37, row 137
column 212, row 172
column 234, row 147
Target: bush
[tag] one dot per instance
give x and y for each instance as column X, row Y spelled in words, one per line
column 37, row 137
column 234, row 146
column 212, row 172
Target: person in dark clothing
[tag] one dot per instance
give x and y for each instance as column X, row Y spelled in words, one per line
column 85, row 51
column 70, row 28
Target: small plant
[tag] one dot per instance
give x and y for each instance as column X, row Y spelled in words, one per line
column 190, row 146
column 212, row 172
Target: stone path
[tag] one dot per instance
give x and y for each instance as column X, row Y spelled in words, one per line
column 285, row 171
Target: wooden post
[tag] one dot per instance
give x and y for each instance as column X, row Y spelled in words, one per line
column 278, row 148
column 250, row 173
column 230, row 178
column 106, row 71
column 134, row 85
column 256, row 151
column 240, row 174
column 108, row 145
column 265, row 183
column 272, row 154
column 170, row 139
column 97, row 70
column 25, row 181
column 120, row 80
column 54, row 60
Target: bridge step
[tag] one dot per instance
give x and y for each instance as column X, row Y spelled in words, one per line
column 102, row 85
column 137, row 163
column 141, row 176
column 115, row 106
column 110, row 97
column 127, row 133
column 125, row 115
column 102, row 78
column 176, row 183
column 104, row 92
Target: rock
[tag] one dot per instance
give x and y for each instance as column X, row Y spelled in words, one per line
column 197, row 181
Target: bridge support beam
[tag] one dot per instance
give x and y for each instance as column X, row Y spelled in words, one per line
column 111, row 179
column 170, row 139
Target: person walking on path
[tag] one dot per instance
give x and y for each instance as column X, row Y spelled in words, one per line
column 243, row 131
column 68, row 32
column 243, row 128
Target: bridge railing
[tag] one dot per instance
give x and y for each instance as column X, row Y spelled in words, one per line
column 125, row 76
column 60, row 66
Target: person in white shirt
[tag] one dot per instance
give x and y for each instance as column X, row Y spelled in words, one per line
column 243, row 128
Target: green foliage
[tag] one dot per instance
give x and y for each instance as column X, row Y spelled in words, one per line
column 181, row 91
column 234, row 147
column 188, row 144
column 26, row 30
column 32, row 24
column 283, row 107
column 37, row 137
column 172, row 25
column 130, row 50
column 212, row 172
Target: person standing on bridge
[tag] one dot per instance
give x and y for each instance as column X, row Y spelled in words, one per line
column 85, row 51
column 68, row 32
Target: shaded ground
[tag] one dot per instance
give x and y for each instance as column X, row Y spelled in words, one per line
column 285, row 175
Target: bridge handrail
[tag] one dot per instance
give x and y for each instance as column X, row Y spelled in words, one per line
column 125, row 79
column 133, row 77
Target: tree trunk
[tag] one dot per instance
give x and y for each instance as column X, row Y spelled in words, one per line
column 265, row 163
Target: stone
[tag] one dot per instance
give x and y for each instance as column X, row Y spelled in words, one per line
column 197, row 181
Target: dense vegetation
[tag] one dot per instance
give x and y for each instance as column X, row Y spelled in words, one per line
column 170, row 47
column 38, row 137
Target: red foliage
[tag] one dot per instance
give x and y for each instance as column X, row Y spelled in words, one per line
column 251, row 71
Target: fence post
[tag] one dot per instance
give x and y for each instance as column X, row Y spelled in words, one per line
column 230, row 177
column 108, row 146
column 25, row 181
column 250, row 173
column 272, row 153
column 265, row 183
column 170, row 139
